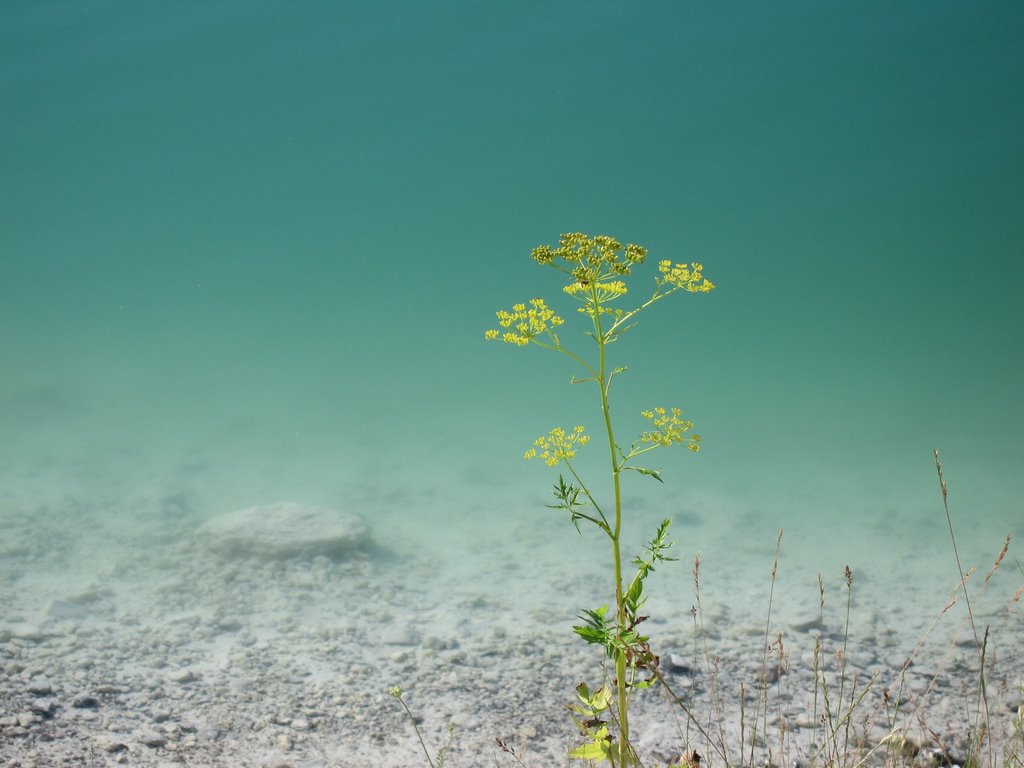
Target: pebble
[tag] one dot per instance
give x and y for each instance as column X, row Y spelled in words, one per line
column 26, row 631
column 808, row 624
column 676, row 664
column 67, row 611
column 151, row 739
column 109, row 744
column 42, row 707
column 84, row 701
column 207, row 733
column 400, row 635
column 40, row 687
column 284, row 742
column 440, row 644
column 184, row 675
column 285, row 529
column 229, row 624
column 465, row 721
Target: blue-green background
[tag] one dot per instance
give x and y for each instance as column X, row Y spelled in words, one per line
column 249, row 249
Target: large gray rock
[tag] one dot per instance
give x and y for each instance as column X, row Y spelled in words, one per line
column 285, row 529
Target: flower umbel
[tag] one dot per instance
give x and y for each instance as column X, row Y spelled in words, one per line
column 587, row 257
column 557, row 445
column 686, row 276
column 527, row 324
column 669, row 428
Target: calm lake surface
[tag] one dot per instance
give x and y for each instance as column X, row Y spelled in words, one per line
column 248, row 252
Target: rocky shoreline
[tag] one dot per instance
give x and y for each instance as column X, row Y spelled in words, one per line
column 174, row 653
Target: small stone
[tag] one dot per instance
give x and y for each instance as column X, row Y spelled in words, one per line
column 229, row 624
column 26, row 631
column 8, row 721
column 284, row 742
column 64, row 610
column 151, row 739
column 285, row 529
column 808, row 624
column 440, row 644
column 677, row 664
column 40, row 687
column 111, row 745
column 25, row 719
column 400, row 636
column 300, row 724
column 85, row 701
column 41, row 707
column 184, row 675
column 208, row 733
column 464, row 721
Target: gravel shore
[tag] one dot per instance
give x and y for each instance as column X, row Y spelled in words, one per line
column 145, row 646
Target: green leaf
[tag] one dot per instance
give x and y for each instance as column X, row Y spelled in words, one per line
column 598, row 701
column 644, row 471
column 599, row 750
column 594, row 636
column 597, row 629
column 634, row 597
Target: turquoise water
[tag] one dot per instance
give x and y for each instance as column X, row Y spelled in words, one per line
column 249, row 251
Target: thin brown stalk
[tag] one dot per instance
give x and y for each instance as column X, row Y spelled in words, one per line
column 982, row 695
column 766, row 648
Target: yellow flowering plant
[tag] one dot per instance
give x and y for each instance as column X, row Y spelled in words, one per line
column 597, row 269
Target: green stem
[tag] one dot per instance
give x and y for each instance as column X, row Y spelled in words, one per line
column 604, row 383
column 416, row 728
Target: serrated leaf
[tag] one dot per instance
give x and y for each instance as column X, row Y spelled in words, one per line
column 591, row 635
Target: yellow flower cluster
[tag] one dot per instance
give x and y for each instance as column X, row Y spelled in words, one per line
column 669, row 428
column 606, row 291
column 557, row 445
column 684, row 276
column 591, row 256
column 528, row 323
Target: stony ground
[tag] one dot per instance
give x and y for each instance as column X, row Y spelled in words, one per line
column 149, row 648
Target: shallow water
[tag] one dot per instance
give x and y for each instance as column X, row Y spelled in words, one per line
column 250, row 250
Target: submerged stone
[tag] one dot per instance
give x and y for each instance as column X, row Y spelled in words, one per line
column 285, row 529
